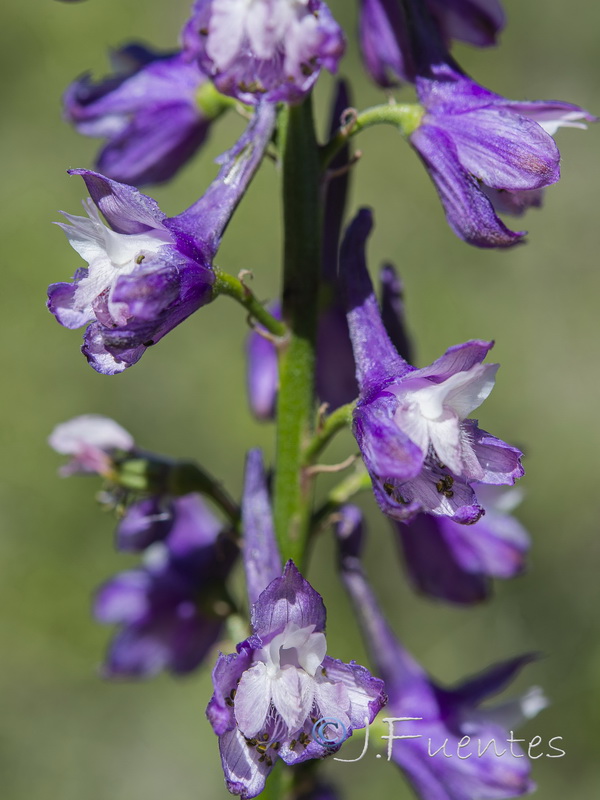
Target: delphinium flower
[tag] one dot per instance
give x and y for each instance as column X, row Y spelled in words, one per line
column 483, row 152
column 447, row 723
column 273, row 49
column 456, row 563
column 386, row 27
column 421, row 449
column 149, row 111
column 271, row 692
column 145, row 488
column 171, row 609
column 148, row 272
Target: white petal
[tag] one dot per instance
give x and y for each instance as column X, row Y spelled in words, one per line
column 252, row 700
column 293, row 696
column 89, row 430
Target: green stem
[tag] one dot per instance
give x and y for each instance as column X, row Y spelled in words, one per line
column 336, row 421
column 233, row 287
column 404, row 116
column 301, row 275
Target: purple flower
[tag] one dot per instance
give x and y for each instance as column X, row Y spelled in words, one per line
column 171, row 610
column 268, row 48
column 412, row 425
column 483, row 151
column 147, row 273
column 148, row 112
column 454, row 562
column 393, row 34
column 269, row 695
column 91, row 440
column 447, row 724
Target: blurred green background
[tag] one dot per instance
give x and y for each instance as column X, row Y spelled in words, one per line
column 64, row 734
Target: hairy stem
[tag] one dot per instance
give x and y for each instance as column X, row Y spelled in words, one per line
column 301, row 274
column 234, row 287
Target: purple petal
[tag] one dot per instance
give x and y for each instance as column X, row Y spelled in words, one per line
column 503, row 149
column 375, row 355
column 154, row 146
column 290, row 598
column 144, row 523
column 366, row 693
column 227, row 672
column 244, row 774
column 458, row 358
column 386, row 450
column 125, row 209
column 123, row 599
column 501, row 462
column 468, row 211
column 61, row 303
column 262, row 561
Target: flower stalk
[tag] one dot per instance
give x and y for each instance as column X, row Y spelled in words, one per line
column 301, row 271
column 404, row 116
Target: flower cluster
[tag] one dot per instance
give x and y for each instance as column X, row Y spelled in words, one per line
column 326, row 355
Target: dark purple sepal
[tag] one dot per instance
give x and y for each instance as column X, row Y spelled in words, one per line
column 125, row 208
column 147, row 111
column 166, row 608
column 469, row 212
column 377, row 360
column 262, row 561
column 443, row 717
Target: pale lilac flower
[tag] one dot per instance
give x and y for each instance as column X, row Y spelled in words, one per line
column 413, row 426
column 148, row 112
column 91, row 440
column 171, row 609
column 146, row 272
column 447, row 724
column 270, row 693
column 266, row 48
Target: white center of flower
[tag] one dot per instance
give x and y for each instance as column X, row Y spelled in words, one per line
column 109, row 254
column 284, row 676
column 430, row 413
column 260, row 26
